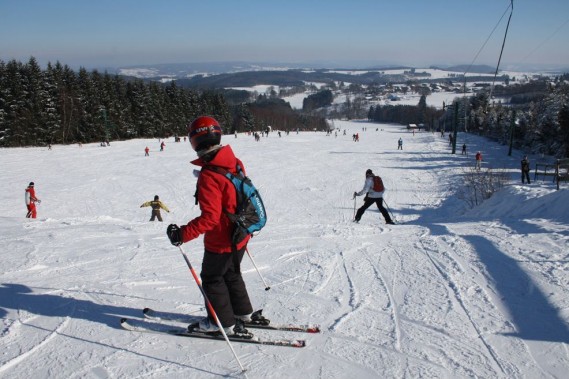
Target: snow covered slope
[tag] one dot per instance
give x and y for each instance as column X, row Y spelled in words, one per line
column 448, row 293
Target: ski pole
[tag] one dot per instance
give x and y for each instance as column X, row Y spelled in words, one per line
column 389, row 210
column 267, row 287
column 354, row 207
column 210, row 307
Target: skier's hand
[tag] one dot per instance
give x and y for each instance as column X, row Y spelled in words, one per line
column 174, row 234
column 38, row 201
column 355, row 194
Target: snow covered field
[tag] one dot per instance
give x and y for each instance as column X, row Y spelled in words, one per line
column 448, row 293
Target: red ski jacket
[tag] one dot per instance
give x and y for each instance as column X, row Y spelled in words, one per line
column 215, row 194
column 30, row 195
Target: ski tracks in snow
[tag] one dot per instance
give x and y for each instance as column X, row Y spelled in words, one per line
column 370, row 295
column 389, row 293
column 437, row 252
column 22, row 356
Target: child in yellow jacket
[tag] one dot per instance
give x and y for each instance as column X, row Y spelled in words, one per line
column 156, row 204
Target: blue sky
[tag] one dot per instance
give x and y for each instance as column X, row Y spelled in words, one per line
column 112, row 33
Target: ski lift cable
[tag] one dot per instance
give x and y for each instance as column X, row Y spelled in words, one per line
column 545, row 40
column 487, row 39
column 502, row 50
column 480, row 50
column 485, row 42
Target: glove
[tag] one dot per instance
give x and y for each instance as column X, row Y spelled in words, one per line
column 355, row 194
column 174, row 234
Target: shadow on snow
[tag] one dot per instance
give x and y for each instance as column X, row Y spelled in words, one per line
column 21, row 297
column 534, row 317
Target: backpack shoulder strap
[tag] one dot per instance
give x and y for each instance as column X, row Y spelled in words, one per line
column 225, row 172
column 219, row 170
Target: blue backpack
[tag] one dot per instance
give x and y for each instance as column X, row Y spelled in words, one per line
column 250, row 215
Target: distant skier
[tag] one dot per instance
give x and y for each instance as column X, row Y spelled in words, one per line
column 400, row 144
column 31, row 201
column 162, row 145
column 464, row 149
column 146, row 151
column 156, row 204
column 478, row 160
column 373, row 189
column 525, row 169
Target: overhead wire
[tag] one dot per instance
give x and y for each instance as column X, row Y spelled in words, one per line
column 487, row 39
column 479, row 51
column 545, row 40
column 502, row 50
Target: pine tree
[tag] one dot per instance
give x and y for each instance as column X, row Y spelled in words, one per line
column 564, row 130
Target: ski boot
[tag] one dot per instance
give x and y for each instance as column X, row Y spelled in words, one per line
column 255, row 318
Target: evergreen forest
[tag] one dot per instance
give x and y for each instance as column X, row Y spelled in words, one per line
column 60, row 106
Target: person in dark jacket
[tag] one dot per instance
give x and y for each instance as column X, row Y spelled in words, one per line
column 525, row 169
column 156, row 205
column 221, row 266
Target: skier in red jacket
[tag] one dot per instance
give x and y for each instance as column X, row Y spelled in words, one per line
column 31, row 201
column 478, row 158
column 221, row 272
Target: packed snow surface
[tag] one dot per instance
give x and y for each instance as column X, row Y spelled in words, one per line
column 449, row 292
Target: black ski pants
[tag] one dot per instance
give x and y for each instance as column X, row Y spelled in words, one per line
column 525, row 175
column 224, row 286
column 368, row 201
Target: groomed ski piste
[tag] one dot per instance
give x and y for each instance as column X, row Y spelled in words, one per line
column 450, row 292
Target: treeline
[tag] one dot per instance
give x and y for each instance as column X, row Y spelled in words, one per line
column 277, row 114
column 539, row 126
column 406, row 114
column 535, row 122
column 317, row 100
column 60, row 106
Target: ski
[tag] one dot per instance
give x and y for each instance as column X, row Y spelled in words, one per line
column 188, row 319
column 150, row 327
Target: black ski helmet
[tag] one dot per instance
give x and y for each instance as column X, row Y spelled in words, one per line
column 369, row 172
column 204, row 131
